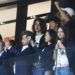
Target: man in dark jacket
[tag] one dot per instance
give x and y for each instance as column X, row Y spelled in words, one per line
column 23, row 61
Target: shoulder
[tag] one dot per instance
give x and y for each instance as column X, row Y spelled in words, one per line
column 52, row 46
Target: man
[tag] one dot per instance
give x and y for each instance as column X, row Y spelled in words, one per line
column 23, row 61
column 68, row 21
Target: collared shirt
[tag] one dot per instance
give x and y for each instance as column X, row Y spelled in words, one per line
column 7, row 48
column 24, row 47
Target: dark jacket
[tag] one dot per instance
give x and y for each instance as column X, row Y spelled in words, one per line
column 24, row 61
column 70, row 42
column 44, row 58
column 41, row 43
column 70, row 49
column 7, row 59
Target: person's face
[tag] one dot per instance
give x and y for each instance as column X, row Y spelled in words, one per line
column 61, row 34
column 25, row 40
column 7, row 44
column 64, row 16
column 37, row 26
column 52, row 25
column 47, row 37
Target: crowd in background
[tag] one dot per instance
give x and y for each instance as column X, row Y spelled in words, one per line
column 43, row 51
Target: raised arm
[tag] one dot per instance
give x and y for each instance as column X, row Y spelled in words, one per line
column 59, row 9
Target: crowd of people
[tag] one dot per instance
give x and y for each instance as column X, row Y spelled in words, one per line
column 42, row 51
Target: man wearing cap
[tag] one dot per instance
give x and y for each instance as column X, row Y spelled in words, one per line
column 68, row 21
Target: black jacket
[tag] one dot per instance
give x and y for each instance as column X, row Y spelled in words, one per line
column 44, row 58
column 24, row 61
column 7, row 59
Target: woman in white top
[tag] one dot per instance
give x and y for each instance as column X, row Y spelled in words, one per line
column 61, row 55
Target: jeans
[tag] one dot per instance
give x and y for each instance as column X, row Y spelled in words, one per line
column 48, row 72
column 23, row 69
column 63, row 71
column 2, row 70
column 38, row 71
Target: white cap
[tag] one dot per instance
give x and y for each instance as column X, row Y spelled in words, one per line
column 69, row 10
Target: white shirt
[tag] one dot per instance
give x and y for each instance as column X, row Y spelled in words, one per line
column 37, row 39
column 62, row 59
column 24, row 47
column 7, row 48
column 1, row 53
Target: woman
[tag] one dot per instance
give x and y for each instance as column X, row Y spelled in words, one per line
column 39, row 29
column 62, row 55
column 47, row 52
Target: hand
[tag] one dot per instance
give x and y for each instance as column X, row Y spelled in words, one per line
column 58, row 7
column 60, row 44
column 56, row 3
column 32, row 43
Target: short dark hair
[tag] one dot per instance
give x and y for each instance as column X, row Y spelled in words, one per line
column 53, row 17
column 12, row 42
column 27, row 33
column 42, row 24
